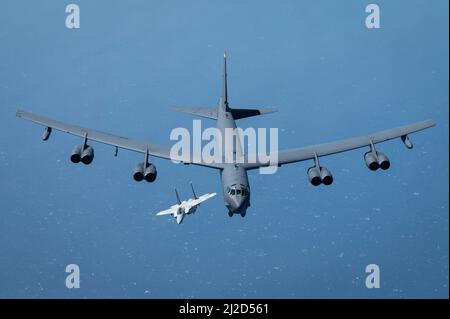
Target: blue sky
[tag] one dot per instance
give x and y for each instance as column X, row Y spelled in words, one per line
column 316, row 61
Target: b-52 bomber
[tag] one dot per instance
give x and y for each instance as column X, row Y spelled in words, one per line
column 234, row 179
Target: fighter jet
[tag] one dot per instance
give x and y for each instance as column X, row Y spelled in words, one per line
column 233, row 176
column 186, row 207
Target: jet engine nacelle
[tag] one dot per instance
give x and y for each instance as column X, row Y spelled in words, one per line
column 138, row 172
column 383, row 161
column 314, row 176
column 326, row 177
column 376, row 160
column 371, row 159
column 320, row 175
column 87, row 155
column 75, row 157
column 148, row 173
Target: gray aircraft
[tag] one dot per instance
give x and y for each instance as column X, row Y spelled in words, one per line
column 234, row 179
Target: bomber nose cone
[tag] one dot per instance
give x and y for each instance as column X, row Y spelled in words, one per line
column 236, row 203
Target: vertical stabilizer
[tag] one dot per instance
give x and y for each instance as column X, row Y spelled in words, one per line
column 193, row 192
column 178, row 197
column 224, row 85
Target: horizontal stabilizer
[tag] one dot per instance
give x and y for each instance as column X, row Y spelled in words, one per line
column 243, row 113
column 207, row 112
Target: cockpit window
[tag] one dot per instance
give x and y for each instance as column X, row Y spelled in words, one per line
column 238, row 190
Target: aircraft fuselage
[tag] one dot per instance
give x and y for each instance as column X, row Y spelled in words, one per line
column 234, row 179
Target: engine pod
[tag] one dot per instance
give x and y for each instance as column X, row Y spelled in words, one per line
column 326, row 177
column 314, row 176
column 150, row 173
column 88, row 155
column 138, row 172
column 371, row 160
column 75, row 157
column 383, row 161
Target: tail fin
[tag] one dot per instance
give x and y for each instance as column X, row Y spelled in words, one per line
column 211, row 113
column 224, row 85
column 178, row 197
column 238, row 113
column 193, row 192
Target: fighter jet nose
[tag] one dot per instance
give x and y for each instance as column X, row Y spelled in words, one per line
column 179, row 218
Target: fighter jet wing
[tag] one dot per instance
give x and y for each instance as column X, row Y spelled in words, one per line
column 194, row 202
column 309, row 152
column 169, row 211
column 110, row 139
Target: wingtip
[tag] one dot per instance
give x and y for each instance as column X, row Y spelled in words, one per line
column 428, row 123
